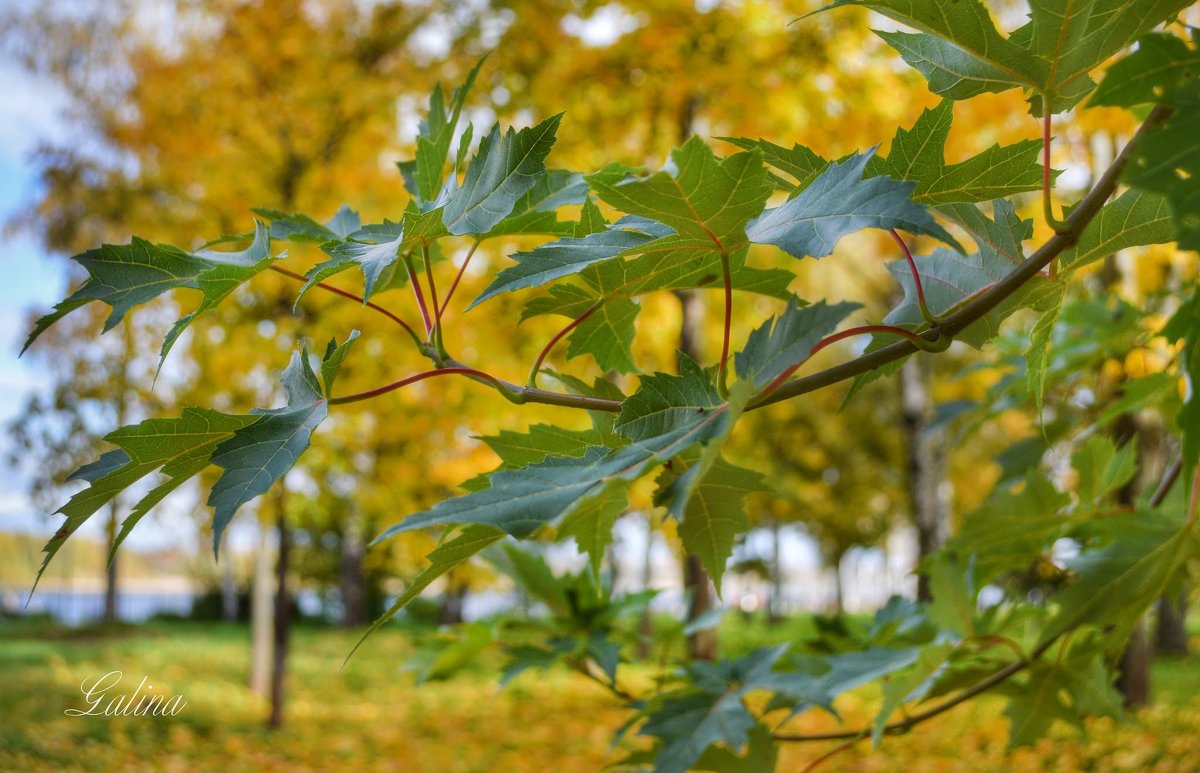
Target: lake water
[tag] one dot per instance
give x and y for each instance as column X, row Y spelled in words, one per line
column 78, row 607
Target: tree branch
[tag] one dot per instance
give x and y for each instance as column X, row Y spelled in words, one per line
column 983, row 685
column 975, row 310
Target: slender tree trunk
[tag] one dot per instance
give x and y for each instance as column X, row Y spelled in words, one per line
column 1133, row 672
column 1171, row 632
column 122, row 379
column 450, row 610
column 353, row 580
column 261, row 590
column 926, row 464
column 702, row 645
column 1133, row 677
column 646, row 626
column 839, row 600
column 110, row 572
column 775, row 603
column 229, row 595
column 283, row 616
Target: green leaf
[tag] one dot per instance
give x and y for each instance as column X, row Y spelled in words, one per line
column 689, row 721
column 1133, row 219
column 591, row 524
column 521, row 449
column 125, row 276
column 955, row 591
column 335, row 355
column 840, row 202
column 1184, row 328
column 503, row 170
column 520, row 501
column 761, row 754
column 1142, row 558
column 910, row 686
column 1166, row 160
column 950, row 278
column 591, row 220
column 436, row 133
column 1065, row 690
column 705, row 200
column 181, row 447
column 798, row 161
column 562, row 258
column 967, row 26
column 1037, row 358
column 535, row 212
column 1074, row 37
column 295, row 227
column 1102, row 469
column 1161, row 63
column 666, row 267
column 951, row 72
column 449, row 553
column 228, row 272
column 1010, row 530
column 715, row 514
column 261, row 453
column 376, row 249
column 819, row 680
column 787, row 340
column 344, row 222
column 918, row 155
column 607, row 334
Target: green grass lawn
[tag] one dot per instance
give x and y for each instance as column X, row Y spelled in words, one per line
column 370, row 716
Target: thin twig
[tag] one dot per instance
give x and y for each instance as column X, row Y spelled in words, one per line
column 988, row 300
column 926, row 314
column 353, row 297
column 985, row 684
column 537, row 364
column 457, row 277
column 420, row 297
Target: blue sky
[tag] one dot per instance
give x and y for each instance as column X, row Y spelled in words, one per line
column 29, row 111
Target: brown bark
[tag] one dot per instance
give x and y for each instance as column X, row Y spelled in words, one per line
column 283, row 617
column 450, row 608
column 702, row 645
column 1170, row 635
column 1133, row 672
column 926, row 464
column 1133, row 676
column 353, row 579
column 775, row 602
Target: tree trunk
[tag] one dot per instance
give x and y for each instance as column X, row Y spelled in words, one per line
column 353, row 580
column 450, row 609
column 1133, row 672
column 775, row 603
column 283, row 616
column 702, row 645
column 1171, row 633
column 839, row 600
column 110, row 572
column 646, row 626
column 1133, row 677
column 229, row 594
column 261, row 591
column 122, row 379
column 926, row 464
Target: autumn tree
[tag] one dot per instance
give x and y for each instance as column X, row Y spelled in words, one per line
column 620, row 233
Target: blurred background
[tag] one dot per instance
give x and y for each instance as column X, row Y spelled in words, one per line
column 171, row 120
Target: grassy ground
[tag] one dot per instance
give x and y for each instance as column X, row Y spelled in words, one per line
column 371, row 717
